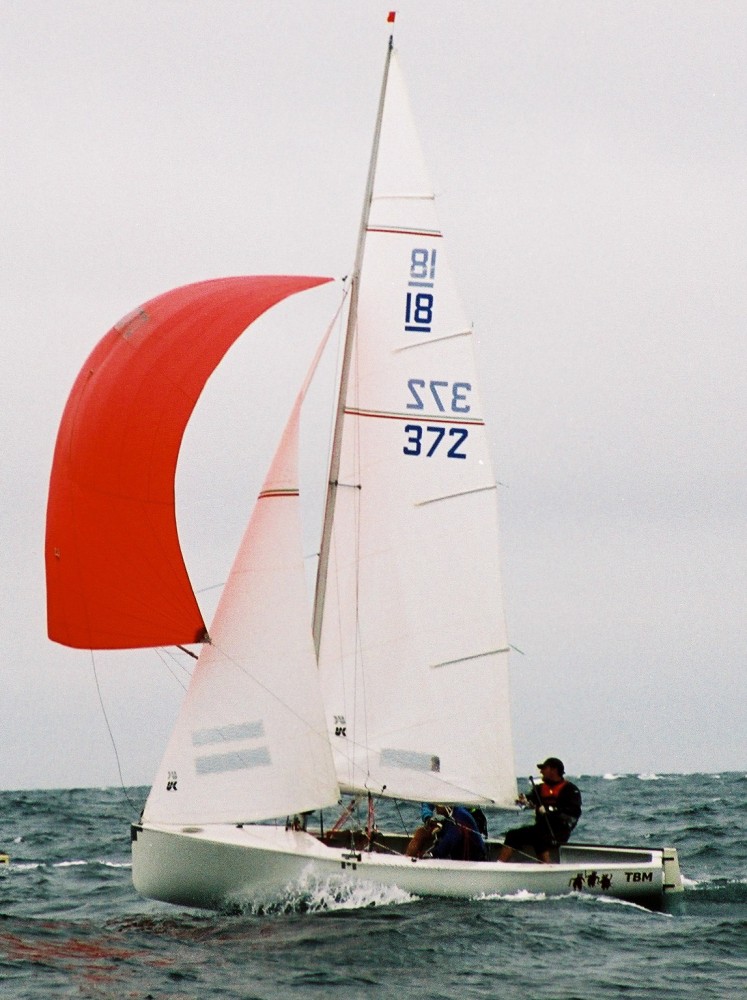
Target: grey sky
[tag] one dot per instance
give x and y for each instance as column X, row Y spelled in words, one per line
column 591, row 164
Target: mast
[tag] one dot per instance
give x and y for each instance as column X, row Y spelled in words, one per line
column 334, row 466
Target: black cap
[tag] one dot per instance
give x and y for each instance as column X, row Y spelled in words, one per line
column 553, row 762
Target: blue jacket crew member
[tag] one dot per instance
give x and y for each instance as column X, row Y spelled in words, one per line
column 459, row 839
column 557, row 807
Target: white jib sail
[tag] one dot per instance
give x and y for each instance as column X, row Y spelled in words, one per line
column 413, row 653
column 250, row 742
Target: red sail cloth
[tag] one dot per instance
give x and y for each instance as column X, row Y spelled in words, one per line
column 116, row 577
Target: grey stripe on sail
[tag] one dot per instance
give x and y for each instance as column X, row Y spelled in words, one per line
column 413, row 759
column 227, row 734
column 241, row 760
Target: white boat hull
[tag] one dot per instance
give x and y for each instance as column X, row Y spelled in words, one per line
column 224, row 866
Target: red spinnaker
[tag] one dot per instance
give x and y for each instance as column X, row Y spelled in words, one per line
column 116, row 577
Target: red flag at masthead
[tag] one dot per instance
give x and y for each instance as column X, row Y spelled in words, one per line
column 391, row 16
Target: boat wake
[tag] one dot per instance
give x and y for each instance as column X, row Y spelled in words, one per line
column 522, row 896
column 313, row 894
column 579, row 899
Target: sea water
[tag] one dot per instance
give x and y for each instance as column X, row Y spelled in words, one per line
column 71, row 924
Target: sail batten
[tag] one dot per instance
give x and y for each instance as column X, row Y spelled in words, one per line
column 414, row 196
column 471, row 656
column 456, row 496
column 433, row 340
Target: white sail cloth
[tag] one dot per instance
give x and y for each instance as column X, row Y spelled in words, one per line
column 250, row 741
column 413, row 653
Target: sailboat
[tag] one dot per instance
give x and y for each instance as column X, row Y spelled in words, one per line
column 395, row 686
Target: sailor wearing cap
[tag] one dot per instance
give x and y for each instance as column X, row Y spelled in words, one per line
column 557, row 807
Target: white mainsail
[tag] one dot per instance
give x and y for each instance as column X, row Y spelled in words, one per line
column 413, row 648
column 250, row 742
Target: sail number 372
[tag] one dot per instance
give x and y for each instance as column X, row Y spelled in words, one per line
column 449, row 397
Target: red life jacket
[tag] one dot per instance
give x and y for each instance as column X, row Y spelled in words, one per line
column 560, row 823
column 550, row 793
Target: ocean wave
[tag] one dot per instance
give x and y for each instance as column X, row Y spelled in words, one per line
column 71, row 891
column 21, row 866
